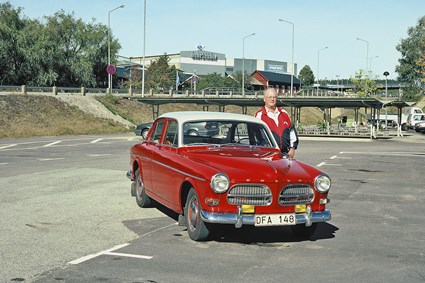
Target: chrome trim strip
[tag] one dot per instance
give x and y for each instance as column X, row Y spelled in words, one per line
column 233, row 218
column 172, row 168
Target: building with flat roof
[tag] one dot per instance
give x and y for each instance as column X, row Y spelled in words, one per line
column 205, row 62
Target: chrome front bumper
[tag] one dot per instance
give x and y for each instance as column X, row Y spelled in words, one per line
column 239, row 219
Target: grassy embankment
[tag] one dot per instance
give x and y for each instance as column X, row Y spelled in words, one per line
column 36, row 115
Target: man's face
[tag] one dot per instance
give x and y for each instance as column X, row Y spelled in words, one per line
column 270, row 99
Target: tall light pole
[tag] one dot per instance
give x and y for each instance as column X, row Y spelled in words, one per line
column 243, row 62
column 144, row 50
column 370, row 63
column 318, row 67
column 109, row 46
column 367, row 52
column 386, row 74
column 292, row 61
column 367, row 59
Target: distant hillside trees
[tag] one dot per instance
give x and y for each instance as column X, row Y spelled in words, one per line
column 60, row 50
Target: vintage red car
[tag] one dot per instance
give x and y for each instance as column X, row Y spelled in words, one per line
column 234, row 175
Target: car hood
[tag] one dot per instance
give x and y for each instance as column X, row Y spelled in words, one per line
column 253, row 165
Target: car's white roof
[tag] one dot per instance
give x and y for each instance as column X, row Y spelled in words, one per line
column 184, row 116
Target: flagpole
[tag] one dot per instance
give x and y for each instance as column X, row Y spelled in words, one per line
column 177, row 80
column 194, row 80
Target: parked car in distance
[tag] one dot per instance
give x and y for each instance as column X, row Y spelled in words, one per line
column 234, row 175
column 412, row 119
column 388, row 124
column 420, row 127
column 191, row 129
column 143, row 129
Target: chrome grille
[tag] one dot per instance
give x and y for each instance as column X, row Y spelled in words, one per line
column 252, row 194
column 296, row 194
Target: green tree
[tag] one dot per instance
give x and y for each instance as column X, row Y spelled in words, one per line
column 78, row 51
column 363, row 85
column 215, row 80
column 160, row 75
column 61, row 51
column 13, row 68
column 411, row 68
column 306, row 76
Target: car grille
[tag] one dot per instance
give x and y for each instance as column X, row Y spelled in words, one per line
column 249, row 194
column 296, row 194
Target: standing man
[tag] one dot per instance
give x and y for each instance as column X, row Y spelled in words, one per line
column 279, row 123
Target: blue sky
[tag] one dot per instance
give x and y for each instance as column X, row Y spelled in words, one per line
column 173, row 26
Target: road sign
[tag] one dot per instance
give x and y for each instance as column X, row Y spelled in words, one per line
column 111, row 69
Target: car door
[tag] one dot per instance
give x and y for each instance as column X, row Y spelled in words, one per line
column 151, row 146
column 166, row 176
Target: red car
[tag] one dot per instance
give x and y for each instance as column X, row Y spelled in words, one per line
column 234, row 175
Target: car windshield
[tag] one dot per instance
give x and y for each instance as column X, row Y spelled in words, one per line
column 225, row 133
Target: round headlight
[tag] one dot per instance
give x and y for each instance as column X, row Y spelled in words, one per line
column 322, row 183
column 220, row 183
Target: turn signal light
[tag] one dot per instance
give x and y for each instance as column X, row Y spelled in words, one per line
column 211, row 202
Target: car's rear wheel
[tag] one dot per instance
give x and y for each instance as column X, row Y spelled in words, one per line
column 196, row 228
column 303, row 231
column 142, row 199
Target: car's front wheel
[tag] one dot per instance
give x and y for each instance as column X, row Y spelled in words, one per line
column 142, row 199
column 196, row 228
column 303, row 231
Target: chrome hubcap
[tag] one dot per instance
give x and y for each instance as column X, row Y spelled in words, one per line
column 193, row 213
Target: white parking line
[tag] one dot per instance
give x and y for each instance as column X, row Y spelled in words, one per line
column 95, row 141
column 4, row 163
column 52, row 143
column 327, row 164
column 50, row 159
column 97, row 155
column 87, row 257
column 110, row 251
column 341, row 157
column 128, row 255
column 7, row 146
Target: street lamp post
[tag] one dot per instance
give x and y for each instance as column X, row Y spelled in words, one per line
column 243, row 62
column 318, row 67
column 292, row 60
column 370, row 64
column 367, row 59
column 386, row 74
column 144, row 49
column 367, row 52
column 109, row 46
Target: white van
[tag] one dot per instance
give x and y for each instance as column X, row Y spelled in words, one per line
column 405, row 115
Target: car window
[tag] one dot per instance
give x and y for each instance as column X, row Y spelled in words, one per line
column 159, row 126
column 225, row 133
column 171, row 136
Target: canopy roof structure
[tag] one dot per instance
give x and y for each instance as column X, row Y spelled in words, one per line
column 258, row 101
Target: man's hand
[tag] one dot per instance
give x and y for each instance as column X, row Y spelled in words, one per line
column 291, row 153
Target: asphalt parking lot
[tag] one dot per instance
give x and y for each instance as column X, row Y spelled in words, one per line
column 67, row 216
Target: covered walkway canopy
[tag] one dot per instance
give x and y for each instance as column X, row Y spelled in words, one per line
column 324, row 103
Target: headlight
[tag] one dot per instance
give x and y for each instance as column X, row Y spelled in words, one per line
column 322, row 183
column 220, row 183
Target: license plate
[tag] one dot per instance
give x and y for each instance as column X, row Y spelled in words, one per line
column 274, row 219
